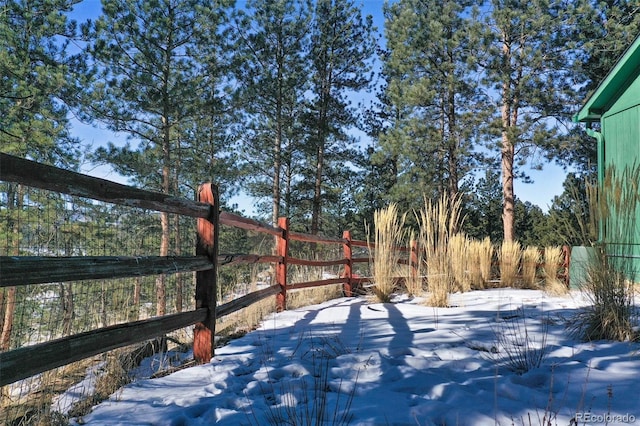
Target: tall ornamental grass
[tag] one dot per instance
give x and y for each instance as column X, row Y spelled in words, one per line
column 614, row 207
column 388, row 236
column 438, row 222
column 510, row 255
column 530, row 260
column 459, row 261
column 552, row 260
column 486, row 259
column 475, row 255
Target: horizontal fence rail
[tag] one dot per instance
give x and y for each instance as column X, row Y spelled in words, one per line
column 30, row 360
column 31, row 173
column 59, row 269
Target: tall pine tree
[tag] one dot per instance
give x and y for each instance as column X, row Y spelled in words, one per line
column 34, row 66
column 435, row 104
column 272, row 43
column 528, row 69
column 342, row 47
column 152, row 81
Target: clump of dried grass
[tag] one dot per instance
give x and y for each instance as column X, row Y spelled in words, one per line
column 480, row 259
column 611, row 315
column 486, row 259
column 552, row 261
column 474, row 272
column 388, row 236
column 518, row 348
column 530, row 260
column 613, row 211
column 459, row 258
column 245, row 319
column 438, row 221
column 308, row 402
column 510, row 255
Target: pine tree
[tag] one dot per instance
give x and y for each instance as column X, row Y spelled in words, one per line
column 528, row 66
column 153, row 79
column 33, row 119
column 482, row 208
column 272, row 38
column 434, row 106
column 35, row 71
column 569, row 213
column 608, row 28
column 603, row 30
column 342, row 47
column 531, row 224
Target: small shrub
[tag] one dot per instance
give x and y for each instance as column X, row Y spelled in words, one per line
column 518, row 349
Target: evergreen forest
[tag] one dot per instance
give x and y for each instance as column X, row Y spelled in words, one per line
column 310, row 108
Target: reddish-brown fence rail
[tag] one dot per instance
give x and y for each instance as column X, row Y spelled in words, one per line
column 16, row 271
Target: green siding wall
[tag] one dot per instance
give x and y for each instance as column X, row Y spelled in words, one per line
column 622, row 138
column 621, row 133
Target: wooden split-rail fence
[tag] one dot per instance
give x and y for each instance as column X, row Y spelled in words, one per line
column 16, row 271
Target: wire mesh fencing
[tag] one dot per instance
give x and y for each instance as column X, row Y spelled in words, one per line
column 36, row 222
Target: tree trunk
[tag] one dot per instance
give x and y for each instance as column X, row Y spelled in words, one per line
column 277, row 152
column 7, row 325
column 180, row 276
column 14, row 205
column 178, row 237
column 317, row 188
column 161, row 297
column 67, row 308
column 508, row 209
column 508, row 149
column 1, row 308
column 276, row 176
column 137, row 290
column 453, row 144
column 103, row 306
column 288, row 185
column 320, row 151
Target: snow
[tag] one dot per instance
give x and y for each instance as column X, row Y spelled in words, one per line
column 400, row 363
column 76, row 393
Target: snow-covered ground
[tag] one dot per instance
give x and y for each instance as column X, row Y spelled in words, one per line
column 400, row 363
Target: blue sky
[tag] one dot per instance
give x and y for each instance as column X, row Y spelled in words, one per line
column 547, row 182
